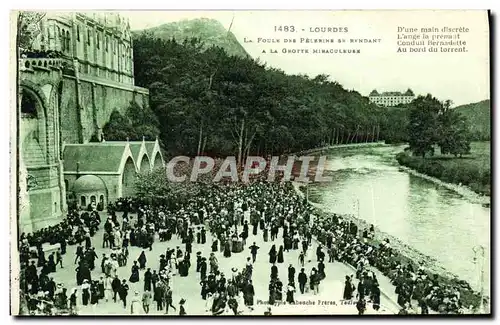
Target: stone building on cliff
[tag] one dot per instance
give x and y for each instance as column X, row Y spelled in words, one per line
column 77, row 71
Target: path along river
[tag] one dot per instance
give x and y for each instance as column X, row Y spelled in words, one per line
column 421, row 214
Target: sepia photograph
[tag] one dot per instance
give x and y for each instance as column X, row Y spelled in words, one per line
column 251, row 163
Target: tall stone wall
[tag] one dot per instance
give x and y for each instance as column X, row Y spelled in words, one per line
column 70, row 123
column 88, row 103
column 39, row 145
column 71, row 109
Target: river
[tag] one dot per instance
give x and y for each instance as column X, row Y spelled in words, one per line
column 428, row 217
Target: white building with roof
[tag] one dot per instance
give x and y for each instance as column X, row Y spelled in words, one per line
column 391, row 98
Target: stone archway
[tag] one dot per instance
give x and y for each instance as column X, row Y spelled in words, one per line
column 41, row 191
column 33, row 154
column 145, row 165
column 33, row 129
column 158, row 162
column 128, row 178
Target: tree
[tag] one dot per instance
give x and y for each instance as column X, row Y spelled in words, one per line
column 118, row 128
column 396, row 117
column 409, row 92
column 152, row 185
column 138, row 123
column 433, row 122
column 454, row 135
column 423, row 124
column 28, row 28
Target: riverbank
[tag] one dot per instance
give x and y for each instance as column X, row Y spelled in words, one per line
column 408, row 255
column 464, row 191
column 466, row 175
column 342, row 146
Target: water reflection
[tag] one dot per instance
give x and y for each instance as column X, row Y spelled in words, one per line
column 428, row 217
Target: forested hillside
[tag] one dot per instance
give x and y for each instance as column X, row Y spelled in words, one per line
column 479, row 117
column 205, row 101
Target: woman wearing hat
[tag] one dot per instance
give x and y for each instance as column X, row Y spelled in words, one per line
column 215, row 245
column 94, row 293
column 85, row 292
column 134, row 277
column 280, row 257
column 265, row 233
column 289, row 293
column 227, row 249
column 135, row 304
column 209, row 302
column 348, row 288
column 72, row 302
column 142, row 260
column 272, row 254
column 123, row 292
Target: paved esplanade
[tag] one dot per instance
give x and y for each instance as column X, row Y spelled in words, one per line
column 330, row 290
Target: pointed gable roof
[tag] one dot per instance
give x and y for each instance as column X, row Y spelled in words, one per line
column 94, row 157
column 153, row 149
column 150, row 147
column 135, row 148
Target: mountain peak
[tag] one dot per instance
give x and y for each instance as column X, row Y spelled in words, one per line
column 210, row 31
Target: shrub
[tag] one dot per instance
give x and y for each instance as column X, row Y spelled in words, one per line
column 435, row 169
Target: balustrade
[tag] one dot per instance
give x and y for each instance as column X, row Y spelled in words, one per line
column 34, row 63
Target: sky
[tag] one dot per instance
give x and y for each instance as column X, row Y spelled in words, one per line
column 462, row 77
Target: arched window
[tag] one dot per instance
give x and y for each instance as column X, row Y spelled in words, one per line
column 33, row 126
column 128, row 178
column 28, row 106
column 92, row 199
column 62, row 34
column 101, row 199
column 83, row 201
column 68, row 41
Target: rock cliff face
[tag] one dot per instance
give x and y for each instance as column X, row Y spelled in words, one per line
column 210, row 31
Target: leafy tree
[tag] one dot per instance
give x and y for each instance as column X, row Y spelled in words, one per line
column 136, row 124
column 395, row 125
column 28, row 28
column 423, row 125
column 152, row 185
column 409, row 92
column 454, row 135
column 434, row 122
column 118, row 127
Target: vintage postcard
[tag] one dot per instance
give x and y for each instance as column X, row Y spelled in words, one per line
column 180, row 163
